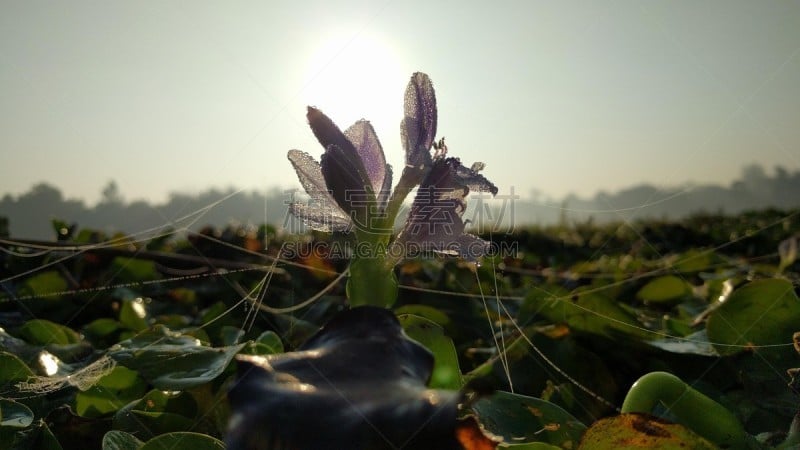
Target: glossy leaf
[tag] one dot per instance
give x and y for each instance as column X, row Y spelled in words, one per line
column 194, row 441
column 14, row 415
column 172, row 361
column 45, row 284
column 110, row 393
column 694, row 344
column 763, row 312
column 12, row 369
column 102, row 328
column 519, row 418
column 231, row 335
column 131, row 270
column 664, row 290
column 43, row 332
column 268, row 343
column 359, row 383
column 157, row 413
column 446, row 372
column 133, row 315
column 428, row 312
column 592, row 313
column 120, row 440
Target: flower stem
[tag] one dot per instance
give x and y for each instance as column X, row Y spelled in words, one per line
column 693, row 409
column 372, row 280
column 409, row 179
column 371, row 284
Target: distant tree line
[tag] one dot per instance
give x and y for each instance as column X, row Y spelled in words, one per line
column 754, row 189
column 30, row 214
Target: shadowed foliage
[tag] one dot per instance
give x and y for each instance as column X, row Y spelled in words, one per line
column 359, row 383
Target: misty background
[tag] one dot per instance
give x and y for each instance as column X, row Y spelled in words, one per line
column 559, row 97
column 30, row 214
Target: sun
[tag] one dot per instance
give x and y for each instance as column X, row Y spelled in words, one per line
column 356, row 76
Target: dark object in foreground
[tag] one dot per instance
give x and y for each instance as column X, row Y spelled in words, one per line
column 359, row 383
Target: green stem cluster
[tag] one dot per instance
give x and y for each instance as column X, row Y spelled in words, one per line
column 372, row 280
column 693, row 409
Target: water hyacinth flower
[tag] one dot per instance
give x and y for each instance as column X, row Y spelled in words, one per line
column 350, row 191
column 352, row 177
column 434, row 223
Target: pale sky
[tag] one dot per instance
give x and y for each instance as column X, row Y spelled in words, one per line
column 558, row 97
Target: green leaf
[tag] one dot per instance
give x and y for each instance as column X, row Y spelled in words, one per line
column 194, row 441
column 110, row 393
column 120, row 440
column 664, row 290
column 44, row 439
column 541, row 298
column 593, row 313
column 446, row 372
column 102, row 327
column 695, row 261
column 130, row 270
column 151, row 423
column 14, row 415
column 172, row 361
column 696, row 344
column 763, row 312
column 44, row 284
column 425, row 311
column 103, row 332
column 156, row 413
column 519, row 418
column 268, row 343
column 43, row 332
column 231, row 335
column 12, row 369
column 133, row 315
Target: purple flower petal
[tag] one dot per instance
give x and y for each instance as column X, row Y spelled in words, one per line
column 352, row 164
column 342, row 176
column 386, row 189
column 310, row 174
column 321, row 217
column 321, row 213
column 418, row 127
column 471, row 178
column 327, row 133
column 363, row 137
column 434, row 223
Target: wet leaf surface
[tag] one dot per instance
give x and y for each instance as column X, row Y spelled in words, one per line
column 172, row 361
column 763, row 312
column 120, row 440
column 521, row 419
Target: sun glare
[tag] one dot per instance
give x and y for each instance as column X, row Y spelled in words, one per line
column 351, row 77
